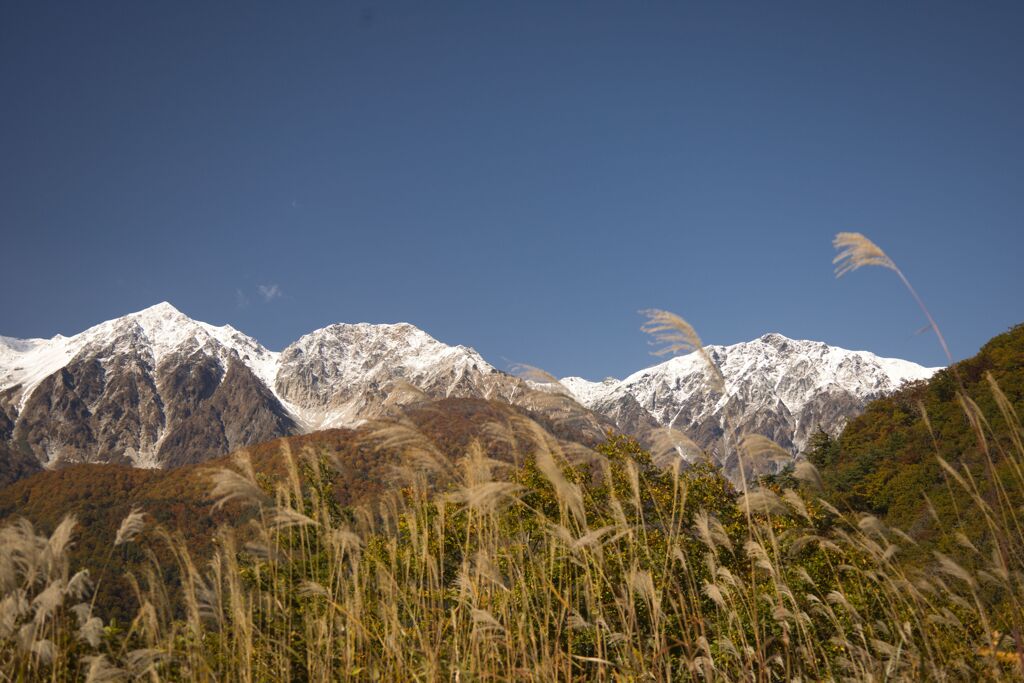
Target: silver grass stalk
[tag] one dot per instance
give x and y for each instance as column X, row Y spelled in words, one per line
column 678, row 336
column 805, row 471
column 566, row 491
column 286, row 518
column 79, row 585
column 711, row 531
column 406, row 439
column 131, row 526
column 540, row 376
column 667, row 445
column 102, row 671
column 487, row 497
column 762, row 451
column 856, row 251
column 45, row 650
column 229, row 485
column 47, row 602
column 60, row 541
column 142, row 660
column 91, row 631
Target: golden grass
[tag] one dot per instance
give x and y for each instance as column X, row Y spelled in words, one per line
column 528, row 574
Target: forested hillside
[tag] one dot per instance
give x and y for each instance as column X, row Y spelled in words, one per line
column 360, row 465
column 885, row 460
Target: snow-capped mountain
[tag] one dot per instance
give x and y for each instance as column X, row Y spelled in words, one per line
column 158, row 389
column 157, row 332
column 778, row 387
column 151, row 388
column 342, row 374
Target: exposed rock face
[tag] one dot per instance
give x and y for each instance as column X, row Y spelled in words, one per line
column 777, row 387
column 15, row 465
column 235, row 410
column 342, row 374
column 57, row 424
column 8, row 412
column 150, row 389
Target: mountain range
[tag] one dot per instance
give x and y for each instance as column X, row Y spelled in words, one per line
column 782, row 388
column 158, row 389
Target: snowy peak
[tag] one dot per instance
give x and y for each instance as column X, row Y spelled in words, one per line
column 158, row 314
column 773, row 384
column 154, row 333
column 352, row 351
column 799, row 368
column 166, row 330
column 333, row 376
column 157, row 388
column 779, row 361
column 366, row 342
column 152, row 388
column 329, row 377
column 587, row 392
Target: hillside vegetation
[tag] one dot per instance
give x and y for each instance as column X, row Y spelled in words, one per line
column 553, row 569
column 362, row 467
column 885, row 460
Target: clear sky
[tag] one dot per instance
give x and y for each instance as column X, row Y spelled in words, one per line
column 520, row 177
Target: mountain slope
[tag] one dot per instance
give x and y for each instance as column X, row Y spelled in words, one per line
column 341, row 374
column 782, row 388
column 361, row 469
column 885, row 461
column 149, row 389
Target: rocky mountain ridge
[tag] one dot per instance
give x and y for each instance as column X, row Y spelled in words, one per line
column 153, row 388
column 782, row 388
column 158, row 389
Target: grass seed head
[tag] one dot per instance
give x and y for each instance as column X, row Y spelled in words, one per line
column 856, row 251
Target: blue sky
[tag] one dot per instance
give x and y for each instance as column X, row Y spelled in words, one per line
column 517, row 177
